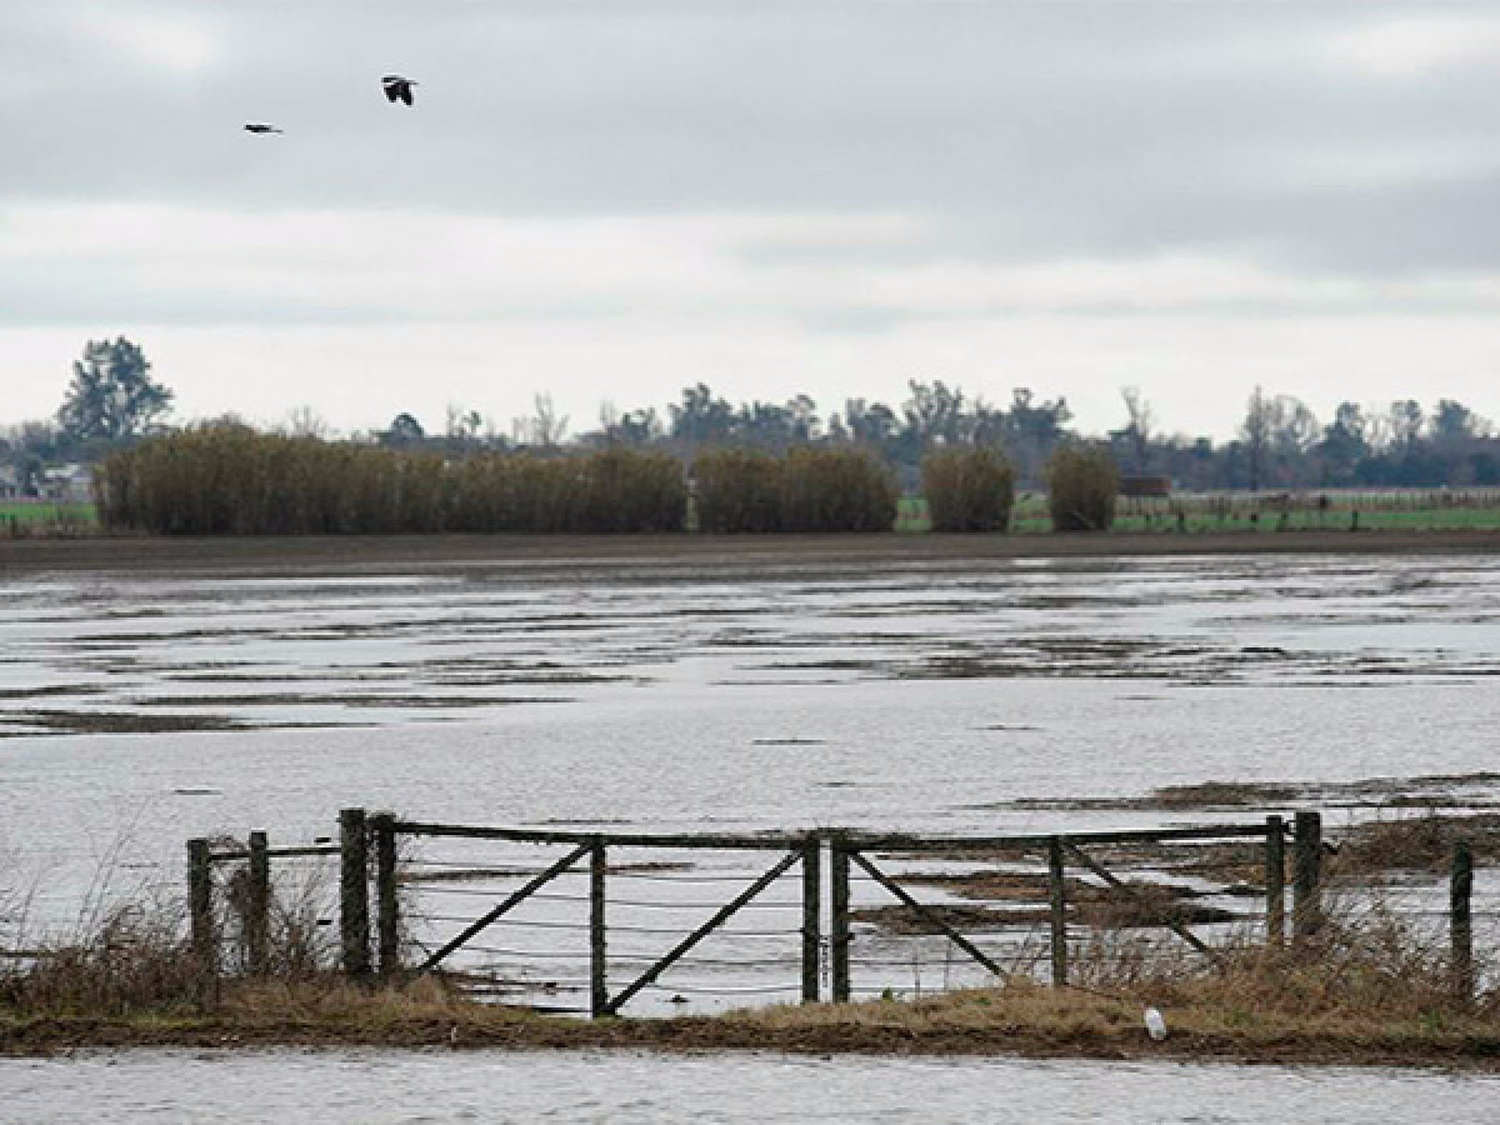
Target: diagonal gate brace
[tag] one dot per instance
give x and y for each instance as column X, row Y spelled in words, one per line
column 515, row 899
column 687, row 943
column 928, row 915
column 1114, row 881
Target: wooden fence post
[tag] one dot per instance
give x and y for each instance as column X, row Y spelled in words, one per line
column 258, row 905
column 387, row 904
column 354, row 893
column 1307, row 875
column 1275, row 880
column 598, row 933
column 1461, row 923
column 205, row 939
column 1058, row 893
column 812, row 922
column 838, row 875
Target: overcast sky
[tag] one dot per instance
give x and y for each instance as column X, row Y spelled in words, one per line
column 608, row 201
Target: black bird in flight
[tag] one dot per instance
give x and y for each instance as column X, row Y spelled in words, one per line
column 397, row 89
column 261, row 127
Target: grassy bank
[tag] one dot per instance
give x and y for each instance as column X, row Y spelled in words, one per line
column 34, row 518
column 1367, row 989
column 1207, row 1022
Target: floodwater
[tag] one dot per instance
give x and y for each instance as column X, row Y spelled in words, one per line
column 405, row 1088
column 137, row 711
column 943, row 698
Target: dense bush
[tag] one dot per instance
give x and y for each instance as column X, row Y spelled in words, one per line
column 737, row 490
column 1082, row 485
column 968, row 489
column 234, row 481
column 836, row 490
column 808, row 490
column 230, row 480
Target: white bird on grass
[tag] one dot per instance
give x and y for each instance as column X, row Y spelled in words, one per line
column 1156, row 1026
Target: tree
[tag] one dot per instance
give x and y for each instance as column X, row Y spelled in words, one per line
column 405, row 431
column 544, row 428
column 1406, row 422
column 1344, row 443
column 1141, row 422
column 1033, row 430
column 1256, row 432
column 306, row 422
column 701, row 418
column 1453, row 423
column 112, row 396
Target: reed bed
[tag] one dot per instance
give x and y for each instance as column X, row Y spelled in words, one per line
column 807, row 490
column 1082, row 487
column 968, row 489
column 232, row 481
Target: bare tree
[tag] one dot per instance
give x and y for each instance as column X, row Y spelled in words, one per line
column 304, row 421
column 1141, row 425
column 462, row 426
column 544, row 427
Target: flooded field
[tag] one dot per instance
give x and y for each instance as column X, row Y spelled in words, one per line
column 137, row 710
column 388, row 1088
column 938, row 696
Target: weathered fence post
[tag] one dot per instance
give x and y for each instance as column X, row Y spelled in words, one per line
column 258, row 905
column 1461, row 922
column 598, row 971
column 354, row 893
column 387, row 905
column 205, row 940
column 1307, row 876
column 1275, row 880
column 812, row 908
column 1058, row 892
column 838, row 894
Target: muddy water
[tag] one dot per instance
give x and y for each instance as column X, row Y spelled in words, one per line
column 394, row 1088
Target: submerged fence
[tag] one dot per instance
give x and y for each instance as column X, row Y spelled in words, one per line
column 594, row 922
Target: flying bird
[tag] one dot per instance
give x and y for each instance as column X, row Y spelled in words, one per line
column 261, row 127
column 397, row 89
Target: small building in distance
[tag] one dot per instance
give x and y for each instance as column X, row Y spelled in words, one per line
column 68, row 484
column 1145, row 486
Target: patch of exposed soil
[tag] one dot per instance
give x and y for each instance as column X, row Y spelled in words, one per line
column 114, row 722
column 1470, row 790
column 1145, row 904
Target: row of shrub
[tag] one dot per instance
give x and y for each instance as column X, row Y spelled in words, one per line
column 807, row 490
column 974, row 489
column 236, row 481
column 228, row 481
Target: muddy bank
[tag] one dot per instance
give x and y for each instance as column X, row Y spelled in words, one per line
column 376, row 554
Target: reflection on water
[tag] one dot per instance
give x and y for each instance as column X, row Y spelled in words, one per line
column 388, row 1087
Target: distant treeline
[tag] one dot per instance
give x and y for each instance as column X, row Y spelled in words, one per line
column 235, row 481
column 1279, row 445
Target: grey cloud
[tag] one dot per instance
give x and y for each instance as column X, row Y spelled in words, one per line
column 1017, row 133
